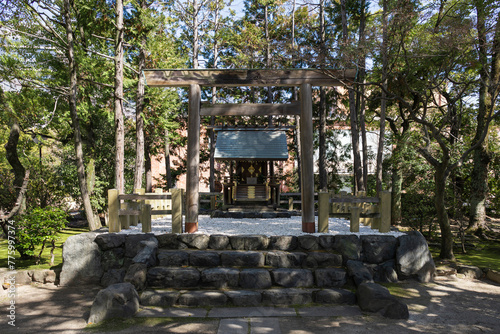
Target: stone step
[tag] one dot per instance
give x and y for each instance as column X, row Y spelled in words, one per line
column 260, row 297
column 244, row 278
column 248, row 259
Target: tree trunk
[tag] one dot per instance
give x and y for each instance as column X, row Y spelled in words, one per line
column 168, row 171
column 358, row 171
column 139, row 113
column 360, row 100
column 323, row 176
column 442, row 214
column 12, row 156
column 93, row 221
column 119, row 121
column 147, row 167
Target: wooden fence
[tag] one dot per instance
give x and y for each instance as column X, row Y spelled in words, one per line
column 130, row 209
column 372, row 211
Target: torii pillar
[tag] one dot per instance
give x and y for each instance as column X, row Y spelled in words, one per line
column 193, row 159
column 306, row 159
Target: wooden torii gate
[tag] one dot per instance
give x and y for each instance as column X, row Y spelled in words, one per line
column 303, row 78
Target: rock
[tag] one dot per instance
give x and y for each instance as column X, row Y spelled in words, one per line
column 359, row 272
column 493, row 275
column 159, row 298
column 197, row 241
column 290, row 296
column 218, row 241
column 378, row 248
column 335, row 296
column 470, row 272
column 373, row 297
column 220, row 278
column 349, row 246
column 384, row 272
column 249, row 242
column 244, row 298
column 107, row 241
column 413, row 258
column 50, row 277
column 113, row 276
column 137, row 275
column 173, row 258
column 147, row 255
column 112, row 259
column 202, row 299
column 255, row 279
column 284, row 243
column 330, row 277
column 133, row 243
column 170, row 241
column 321, row 259
column 116, row 301
column 242, row 259
column 326, row 241
column 81, row 260
column 38, row 276
column 281, row 259
column 308, row 242
column 204, row 259
column 167, row 277
column 293, row 278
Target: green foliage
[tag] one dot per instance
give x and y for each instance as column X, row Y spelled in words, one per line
column 36, row 228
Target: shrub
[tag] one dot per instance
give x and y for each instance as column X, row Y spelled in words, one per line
column 38, row 227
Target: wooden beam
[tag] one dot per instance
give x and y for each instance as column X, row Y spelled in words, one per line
column 246, row 77
column 250, row 109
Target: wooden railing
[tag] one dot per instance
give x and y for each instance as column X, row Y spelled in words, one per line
column 125, row 210
column 372, row 211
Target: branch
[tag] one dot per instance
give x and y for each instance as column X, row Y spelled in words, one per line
column 19, row 200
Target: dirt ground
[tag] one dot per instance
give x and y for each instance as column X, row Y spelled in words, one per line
column 448, row 305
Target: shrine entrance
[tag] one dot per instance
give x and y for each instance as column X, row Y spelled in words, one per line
column 303, row 78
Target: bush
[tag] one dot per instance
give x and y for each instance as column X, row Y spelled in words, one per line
column 38, row 227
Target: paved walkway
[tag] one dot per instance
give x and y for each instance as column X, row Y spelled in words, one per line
column 448, row 305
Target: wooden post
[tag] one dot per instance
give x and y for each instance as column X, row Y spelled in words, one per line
column 290, row 203
column 146, row 218
column 113, row 208
column 385, row 211
column 355, row 218
column 176, row 210
column 213, row 202
column 124, row 219
column 323, row 211
column 140, row 191
column 193, row 159
column 158, row 204
column 306, row 158
column 134, row 220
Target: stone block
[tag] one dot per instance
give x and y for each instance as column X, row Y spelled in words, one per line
column 249, row 242
column 202, row 299
column 159, row 298
column 112, row 258
column 147, row 255
column 359, row 272
column 334, row 296
column 281, row 259
column 493, row 275
column 308, row 242
column 322, row 259
column 284, row 243
column 290, row 296
column 255, row 279
column 168, row 277
column 244, row 297
column 50, row 277
column 81, row 260
column 373, row 297
column 113, row 276
column 242, row 259
column 133, row 243
column 413, row 258
column 137, row 275
column 330, row 277
column 470, row 272
column 293, row 278
column 109, row 241
column 349, row 246
column 219, row 242
column 220, row 277
column 196, row 241
column 170, row 241
column 173, row 258
column 326, row 242
column 204, row 259
column 378, row 248
column 116, row 301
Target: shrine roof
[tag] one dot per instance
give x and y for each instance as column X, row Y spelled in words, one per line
column 251, row 145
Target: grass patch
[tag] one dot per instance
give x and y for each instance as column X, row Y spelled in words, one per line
column 486, row 254
column 45, row 260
